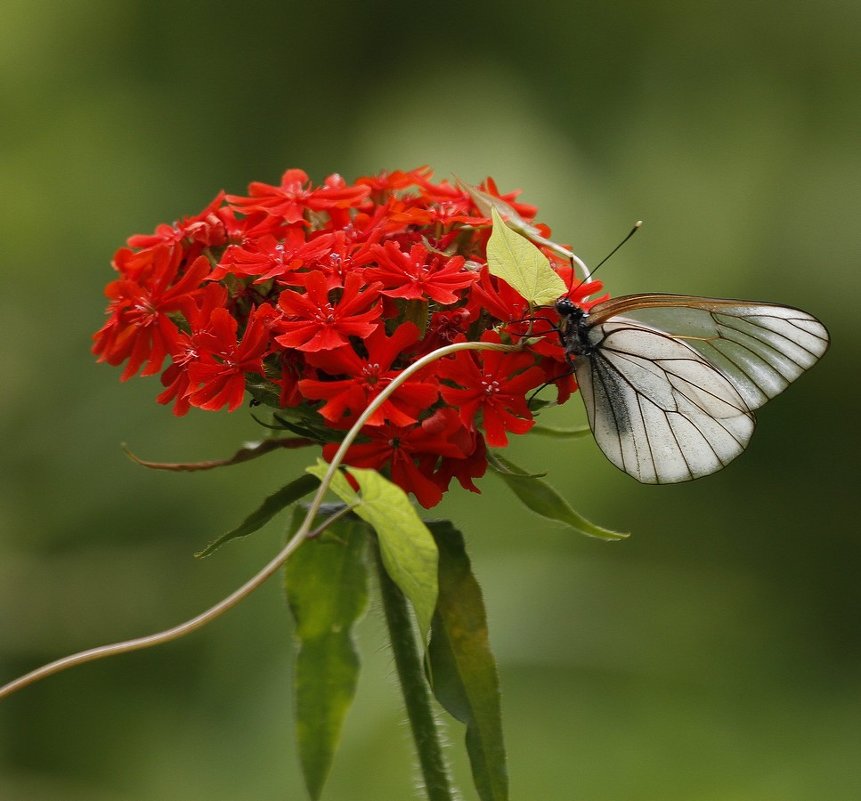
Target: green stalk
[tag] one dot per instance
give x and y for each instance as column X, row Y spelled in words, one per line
column 414, row 687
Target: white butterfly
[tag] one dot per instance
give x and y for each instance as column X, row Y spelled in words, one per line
column 670, row 382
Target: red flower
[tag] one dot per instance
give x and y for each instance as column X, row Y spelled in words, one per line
column 397, row 179
column 207, row 228
column 223, row 361
column 525, row 210
column 138, row 304
column 270, row 258
column 445, row 327
column 464, row 470
column 441, row 214
column 498, row 299
column 292, row 364
column 415, row 276
column 494, row 383
column 175, row 379
column 338, row 261
column 312, row 322
column 291, row 199
column 347, row 398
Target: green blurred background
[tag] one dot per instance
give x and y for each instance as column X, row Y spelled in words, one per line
column 715, row 656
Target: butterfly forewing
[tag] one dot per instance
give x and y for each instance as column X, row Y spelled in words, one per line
column 657, row 408
column 760, row 347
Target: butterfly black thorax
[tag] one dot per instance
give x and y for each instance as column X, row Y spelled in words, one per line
column 573, row 329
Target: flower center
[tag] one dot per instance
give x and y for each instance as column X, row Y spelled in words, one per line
column 490, row 386
column 144, row 313
column 371, row 373
column 325, row 316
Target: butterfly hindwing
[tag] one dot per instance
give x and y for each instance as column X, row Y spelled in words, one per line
column 658, row 409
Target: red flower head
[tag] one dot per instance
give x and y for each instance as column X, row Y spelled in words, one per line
column 315, row 298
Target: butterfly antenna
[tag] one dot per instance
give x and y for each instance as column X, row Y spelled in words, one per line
column 637, row 226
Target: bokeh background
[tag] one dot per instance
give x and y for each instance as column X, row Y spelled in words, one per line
column 714, row 656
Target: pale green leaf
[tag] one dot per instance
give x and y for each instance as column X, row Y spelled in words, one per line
column 541, row 498
column 462, row 667
column 408, row 549
column 519, row 263
column 327, row 590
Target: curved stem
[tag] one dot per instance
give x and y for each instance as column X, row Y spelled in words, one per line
column 176, row 632
column 303, row 532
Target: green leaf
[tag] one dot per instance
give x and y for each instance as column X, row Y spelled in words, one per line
column 515, row 260
column 497, row 463
column 576, row 432
column 327, row 590
column 408, row 549
column 462, row 667
column 268, row 509
column 542, row 499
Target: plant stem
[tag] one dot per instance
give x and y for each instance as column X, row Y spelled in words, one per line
column 414, row 687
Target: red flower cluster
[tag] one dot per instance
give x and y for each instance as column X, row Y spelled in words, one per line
column 314, row 298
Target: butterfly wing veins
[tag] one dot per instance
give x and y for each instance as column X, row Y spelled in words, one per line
column 670, row 382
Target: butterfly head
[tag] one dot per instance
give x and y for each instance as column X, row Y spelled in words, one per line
column 569, row 311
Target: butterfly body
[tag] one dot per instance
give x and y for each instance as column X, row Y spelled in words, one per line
column 670, row 382
column 573, row 329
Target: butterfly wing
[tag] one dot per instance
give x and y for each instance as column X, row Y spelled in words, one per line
column 658, row 409
column 760, row 347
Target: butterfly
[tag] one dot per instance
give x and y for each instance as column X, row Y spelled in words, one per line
column 671, row 382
